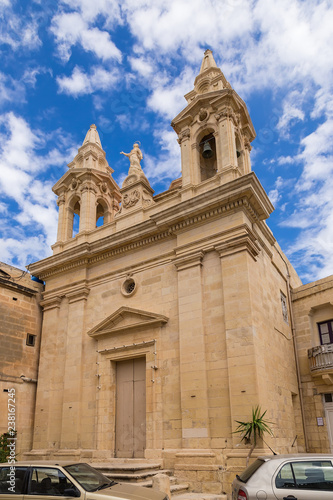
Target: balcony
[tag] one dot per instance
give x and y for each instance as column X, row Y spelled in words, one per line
column 321, row 362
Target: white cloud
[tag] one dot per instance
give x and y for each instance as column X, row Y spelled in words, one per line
column 80, row 83
column 3, row 208
column 71, row 29
column 292, row 112
column 19, row 32
column 23, row 251
column 141, row 66
column 90, row 10
column 317, row 155
column 186, row 24
column 167, row 97
column 167, row 165
column 21, row 164
column 11, row 90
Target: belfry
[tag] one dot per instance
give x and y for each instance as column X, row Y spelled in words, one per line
column 216, row 118
column 170, row 321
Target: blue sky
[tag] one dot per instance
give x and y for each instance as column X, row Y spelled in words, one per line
column 126, row 66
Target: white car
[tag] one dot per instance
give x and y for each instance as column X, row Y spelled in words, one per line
column 286, row 477
column 57, row 480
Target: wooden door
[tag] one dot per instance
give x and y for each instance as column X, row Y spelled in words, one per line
column 131, row 408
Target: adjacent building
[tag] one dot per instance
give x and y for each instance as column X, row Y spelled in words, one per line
column 20, row 333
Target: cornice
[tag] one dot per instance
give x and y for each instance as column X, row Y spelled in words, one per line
column 18, row 288
column 77, row 295
column 239, row 243
column 51, row 303
column 188, row 260
column 245, row 193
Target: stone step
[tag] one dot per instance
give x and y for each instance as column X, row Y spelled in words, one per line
column 140, row 472
column 149, row 482
column 134, row 476
column 134, row 467
column 178, row 489
column 199, row 496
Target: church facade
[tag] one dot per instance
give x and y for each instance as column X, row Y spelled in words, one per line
column 172, row 320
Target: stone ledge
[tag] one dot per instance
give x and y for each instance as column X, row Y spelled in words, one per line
column 197, row 467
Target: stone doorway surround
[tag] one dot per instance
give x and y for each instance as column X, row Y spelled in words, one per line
column 115, row 337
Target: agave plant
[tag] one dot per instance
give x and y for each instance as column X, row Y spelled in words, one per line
column 253, row 429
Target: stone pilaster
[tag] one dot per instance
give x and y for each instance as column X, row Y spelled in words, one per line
column 236, row 263
column 226, row 146
column 45, row 417
column 88, row 207
column 72, row 395
column 193, row 380
column 185, row 148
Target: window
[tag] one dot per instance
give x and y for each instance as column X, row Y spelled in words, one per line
column 326, row 332
column 284, row 307
column 250, row 470
column 314, row 475
column 47, row 481
column 328, row 398
column 12, row 480
column 31, row 339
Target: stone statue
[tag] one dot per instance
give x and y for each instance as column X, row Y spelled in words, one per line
column 135, row 156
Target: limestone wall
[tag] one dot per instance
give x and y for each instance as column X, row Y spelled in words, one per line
column 20, row 315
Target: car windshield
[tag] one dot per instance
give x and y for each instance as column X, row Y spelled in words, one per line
column 89, row 478
column 250, row 470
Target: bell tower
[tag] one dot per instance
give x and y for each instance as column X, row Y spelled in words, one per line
column 214, row 130
column 87, row 190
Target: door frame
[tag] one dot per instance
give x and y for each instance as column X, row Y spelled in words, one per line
column 106, row 398
column 329, row 409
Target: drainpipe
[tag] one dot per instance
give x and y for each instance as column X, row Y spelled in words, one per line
column 292, row 324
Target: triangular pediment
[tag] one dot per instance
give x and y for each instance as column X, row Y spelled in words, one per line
column 125, row 319
column 82, row 175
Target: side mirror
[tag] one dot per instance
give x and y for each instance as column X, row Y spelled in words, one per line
column 70, row 492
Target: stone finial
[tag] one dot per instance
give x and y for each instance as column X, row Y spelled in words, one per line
column 209, row 79
column 92, row 136
column 208, row 61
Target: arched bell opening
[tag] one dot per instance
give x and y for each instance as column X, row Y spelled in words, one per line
column 239, row 155
column 207, row 154
column 73, row 217
column 102, row 213
column 76, row 219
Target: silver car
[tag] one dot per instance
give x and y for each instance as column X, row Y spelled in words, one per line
column 286, row 477
column 56, row 481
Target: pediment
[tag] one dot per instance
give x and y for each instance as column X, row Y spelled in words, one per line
column 81, row 174
column 127, row 319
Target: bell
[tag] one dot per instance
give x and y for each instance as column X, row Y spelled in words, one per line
column 207, row 151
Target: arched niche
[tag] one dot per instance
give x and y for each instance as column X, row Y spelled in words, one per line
column 207, row 154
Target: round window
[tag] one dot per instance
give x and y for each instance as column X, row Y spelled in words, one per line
column 128, row 287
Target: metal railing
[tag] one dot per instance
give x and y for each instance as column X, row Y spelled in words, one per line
column 321, row 357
